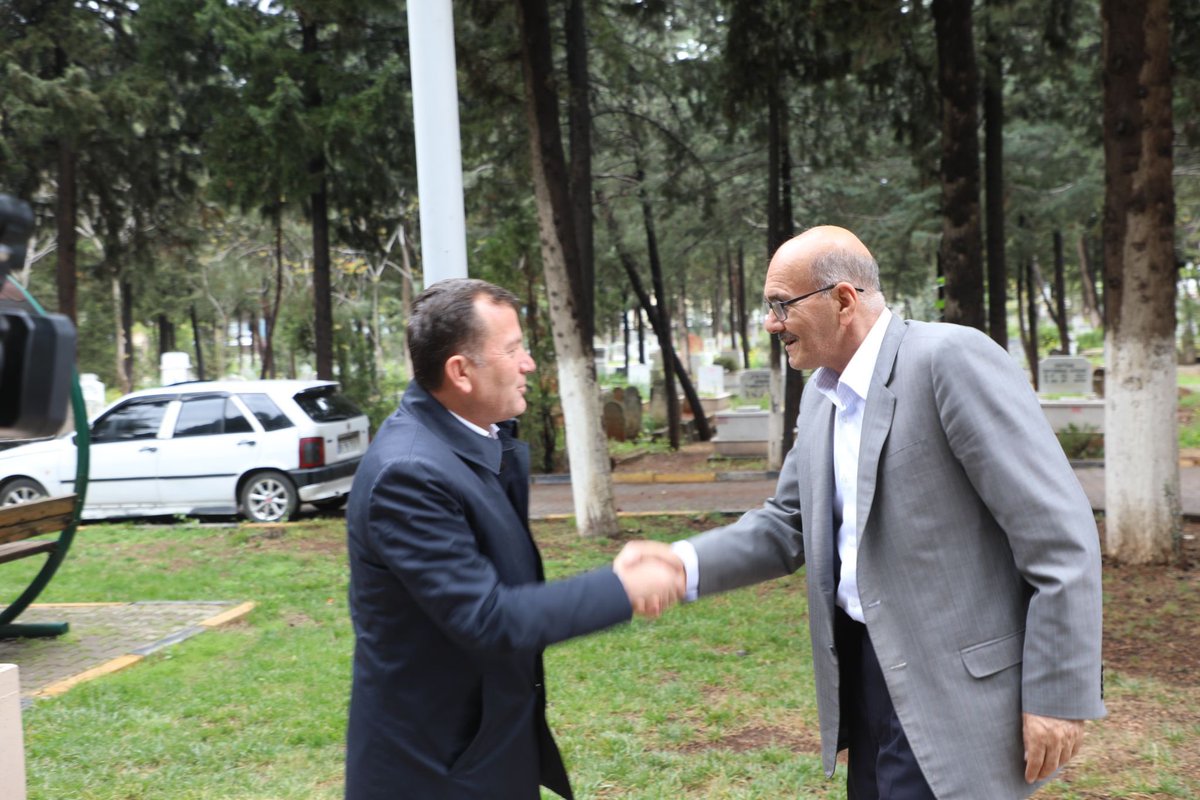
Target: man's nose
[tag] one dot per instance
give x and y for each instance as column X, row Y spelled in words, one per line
column 772, row 323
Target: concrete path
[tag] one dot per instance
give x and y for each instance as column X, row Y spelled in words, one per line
column 736, row 496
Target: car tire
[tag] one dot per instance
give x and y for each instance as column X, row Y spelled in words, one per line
column 22, row 490
column 331, row 504
column 269, row 496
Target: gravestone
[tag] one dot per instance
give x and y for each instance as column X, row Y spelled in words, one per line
column 1064, row 375
column 633, row 412
column 754, row 383
column 712, row 380
column 639, row 376
column 614, row 421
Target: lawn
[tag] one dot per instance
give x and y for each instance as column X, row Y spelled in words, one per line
column 712, row 701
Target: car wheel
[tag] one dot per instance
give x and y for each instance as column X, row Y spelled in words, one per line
column 332, row 504
column 269, row 496
column 22, row 490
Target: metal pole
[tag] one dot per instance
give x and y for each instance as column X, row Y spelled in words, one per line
column 439, row 156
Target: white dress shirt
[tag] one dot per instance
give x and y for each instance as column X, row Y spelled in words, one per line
column 848, row 393
column 494, row 433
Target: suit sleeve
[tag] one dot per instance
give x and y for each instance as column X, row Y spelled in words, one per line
column 1000, row 436
column 763, row 544
column 420, row 532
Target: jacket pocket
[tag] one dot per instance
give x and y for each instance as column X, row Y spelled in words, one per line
column 470, row 753
column 988, row 658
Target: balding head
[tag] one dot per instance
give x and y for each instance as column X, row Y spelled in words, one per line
column 829, row 283
column 826, row 255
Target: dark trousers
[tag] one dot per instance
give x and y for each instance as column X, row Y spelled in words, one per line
column 882, row 764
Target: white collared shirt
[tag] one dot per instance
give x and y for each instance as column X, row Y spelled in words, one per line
column 848, row 393
column 494, row 433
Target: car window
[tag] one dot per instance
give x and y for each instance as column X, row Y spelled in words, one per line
column 206, row 416
column 266, row 412
column 137, row 419
column 327, row 404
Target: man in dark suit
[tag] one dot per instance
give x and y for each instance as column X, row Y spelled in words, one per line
column 953, row 564
column 450, row 608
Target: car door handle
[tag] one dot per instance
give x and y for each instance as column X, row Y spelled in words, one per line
column 247, row 443
column 148, row 450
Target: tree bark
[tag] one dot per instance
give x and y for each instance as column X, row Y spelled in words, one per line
column 67, row 239
column 1091, row 303
column 591, row 473
column 579, row 116
column 1142, row 508
column 271, row 311
column 319, row 202
column 1060, row 296
column 741, row 305
column 961, row 248
column 993, row 125
column 198, row 340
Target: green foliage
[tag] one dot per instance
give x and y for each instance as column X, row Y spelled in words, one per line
column 1081, row 443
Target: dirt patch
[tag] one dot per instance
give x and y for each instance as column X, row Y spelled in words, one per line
column 1152, row 617
column 692, row 457
column 757, row 737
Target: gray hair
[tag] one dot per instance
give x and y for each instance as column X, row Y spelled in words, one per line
column 837, row 265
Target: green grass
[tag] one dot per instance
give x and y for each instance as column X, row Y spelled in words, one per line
column 711, row 701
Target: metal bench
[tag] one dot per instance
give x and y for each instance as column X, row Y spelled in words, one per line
column 23, row 523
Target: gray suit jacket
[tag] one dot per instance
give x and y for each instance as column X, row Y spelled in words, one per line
column 978, row 562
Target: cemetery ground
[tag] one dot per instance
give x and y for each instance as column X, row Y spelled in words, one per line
column 714, row 700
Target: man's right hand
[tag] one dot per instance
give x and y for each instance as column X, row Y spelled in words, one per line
column 653, row 576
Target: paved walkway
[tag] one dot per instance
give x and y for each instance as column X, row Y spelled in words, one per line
column 748, row 491
column 103, row 638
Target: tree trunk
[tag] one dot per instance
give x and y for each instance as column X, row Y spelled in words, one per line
column 793, row 383
column 198, row 340
column 1091, row 304
column 127, row 333
column 741, row 306
column 775, row 451
column 659, row 324
column 993, row 125
column 406, row 297
column 166, row 334
column 118, row 318
column 591, row 472
column 67, row 241
column 319, row 201
column 1142, row 509
column 961, row 247
column 579, row 117
column 1027, row 318
column 271, row 312
column 1060, row 296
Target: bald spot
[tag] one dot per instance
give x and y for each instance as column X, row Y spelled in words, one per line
column 799, row 252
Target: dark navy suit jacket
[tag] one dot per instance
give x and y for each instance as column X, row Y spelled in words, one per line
column 451, row 614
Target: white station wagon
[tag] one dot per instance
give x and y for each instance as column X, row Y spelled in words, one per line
column 216, row 447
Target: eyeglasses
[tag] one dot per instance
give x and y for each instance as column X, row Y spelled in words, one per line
column 779, row 307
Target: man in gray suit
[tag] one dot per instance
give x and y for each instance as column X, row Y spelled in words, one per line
column 953, row 565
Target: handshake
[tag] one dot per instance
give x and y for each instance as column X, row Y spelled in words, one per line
column 653, row 577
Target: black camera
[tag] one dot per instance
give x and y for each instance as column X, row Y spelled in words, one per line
column 37, row 351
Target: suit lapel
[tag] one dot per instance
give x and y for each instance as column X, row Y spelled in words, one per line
column 877, row 421
column 819, row 523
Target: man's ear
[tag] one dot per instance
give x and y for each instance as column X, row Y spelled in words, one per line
column 847, row 297
column 457, row 373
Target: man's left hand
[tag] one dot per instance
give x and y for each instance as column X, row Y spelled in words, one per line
column 1049, row 744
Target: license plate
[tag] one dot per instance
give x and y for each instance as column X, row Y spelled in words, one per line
column 347, row 443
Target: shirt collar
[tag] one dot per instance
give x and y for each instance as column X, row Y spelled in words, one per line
column 492, row 433
column 855, row 379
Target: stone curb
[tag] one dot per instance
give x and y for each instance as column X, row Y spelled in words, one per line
column 668, row 477
column 134, row 656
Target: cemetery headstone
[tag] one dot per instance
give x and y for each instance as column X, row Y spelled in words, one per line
column 1064, row 375
column 754, row 383
column 633, row 412
column 614, row 421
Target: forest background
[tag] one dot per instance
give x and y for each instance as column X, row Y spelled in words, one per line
column 237, row 179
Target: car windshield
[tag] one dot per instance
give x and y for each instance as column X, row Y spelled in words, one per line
column 327, row 404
